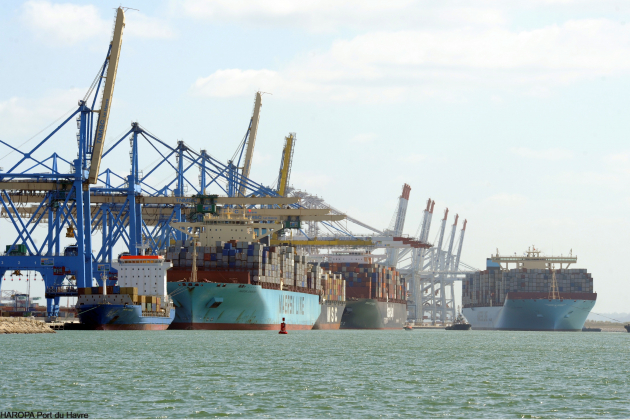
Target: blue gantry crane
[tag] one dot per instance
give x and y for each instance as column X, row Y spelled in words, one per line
column 64, row 198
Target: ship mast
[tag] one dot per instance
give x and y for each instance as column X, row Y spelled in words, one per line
column 193, row 273
column 553, row 288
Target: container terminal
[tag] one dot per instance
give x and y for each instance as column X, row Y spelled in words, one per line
column 286, row 245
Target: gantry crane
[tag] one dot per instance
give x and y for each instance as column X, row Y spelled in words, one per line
column 108, row 93
column 65, row 201
column 285, row 164
column 397, row 224
column 251, row 142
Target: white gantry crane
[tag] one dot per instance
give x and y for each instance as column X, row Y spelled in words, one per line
column 433, row 272
column 397, row 224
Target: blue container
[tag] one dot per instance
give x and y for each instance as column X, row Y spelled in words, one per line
column 232, row 252
column 213, row 257
column 227, row 246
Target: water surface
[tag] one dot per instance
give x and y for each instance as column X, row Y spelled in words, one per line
column 317, row 374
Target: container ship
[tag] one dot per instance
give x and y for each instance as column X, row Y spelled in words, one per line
column 138, row 302
column 533, row 296
column 333, row 298
column 242, row 284
column 376, row 295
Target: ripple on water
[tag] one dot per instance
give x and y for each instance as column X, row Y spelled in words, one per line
column 318, row 374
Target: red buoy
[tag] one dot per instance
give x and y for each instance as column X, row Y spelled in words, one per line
column 283, row 328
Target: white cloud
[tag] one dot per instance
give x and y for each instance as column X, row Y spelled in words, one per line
column 236, row 82
column 397, row 65
column 331, row 15
column 618, row 158
column 261, row 159
column 546, row 154
column 65, row 23
column 69, row 23
column 21, row 118
column 143, row 26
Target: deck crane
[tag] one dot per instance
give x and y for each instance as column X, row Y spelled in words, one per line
column 397, row 224
column 108, row 92
column 285, row 164
column 251, row 142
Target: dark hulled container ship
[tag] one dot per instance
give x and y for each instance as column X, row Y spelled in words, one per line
column 375, row 295
column 138, row 302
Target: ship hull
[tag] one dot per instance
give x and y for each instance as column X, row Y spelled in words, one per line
column 330, row 316
column 533, row 312
column 373, row 314
column 121, row 317
column 234, row 306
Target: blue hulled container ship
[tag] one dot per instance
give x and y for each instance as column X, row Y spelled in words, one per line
column 225, row 279
column 534, row 296
column 209, row 305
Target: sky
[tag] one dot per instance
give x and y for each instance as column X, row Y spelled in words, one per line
column 511, row 114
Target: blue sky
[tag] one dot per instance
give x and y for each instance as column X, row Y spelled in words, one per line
column 511, row 114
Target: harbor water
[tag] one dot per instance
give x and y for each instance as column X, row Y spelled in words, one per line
column 317, row 374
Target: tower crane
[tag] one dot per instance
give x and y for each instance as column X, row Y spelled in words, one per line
column 108, row 92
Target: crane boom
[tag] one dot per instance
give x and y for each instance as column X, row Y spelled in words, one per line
column 398, row 223
column 285, row 165
column 251, row 142
column 459, row 248
column 108, row 92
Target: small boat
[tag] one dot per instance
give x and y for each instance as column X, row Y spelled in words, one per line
column 459, row 324
column 408, row 326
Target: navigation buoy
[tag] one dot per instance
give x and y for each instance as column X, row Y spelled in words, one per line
column 283, row 328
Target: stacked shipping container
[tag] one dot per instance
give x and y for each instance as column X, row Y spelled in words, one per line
column 148, row 303
column 370, row 281
column 270, row 266
column 333, row 285
column 490, row 287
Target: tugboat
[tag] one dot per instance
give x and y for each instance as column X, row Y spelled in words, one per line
column 408, row 326
column 459, row 324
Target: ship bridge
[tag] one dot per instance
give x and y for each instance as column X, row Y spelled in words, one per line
column 532, row 259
